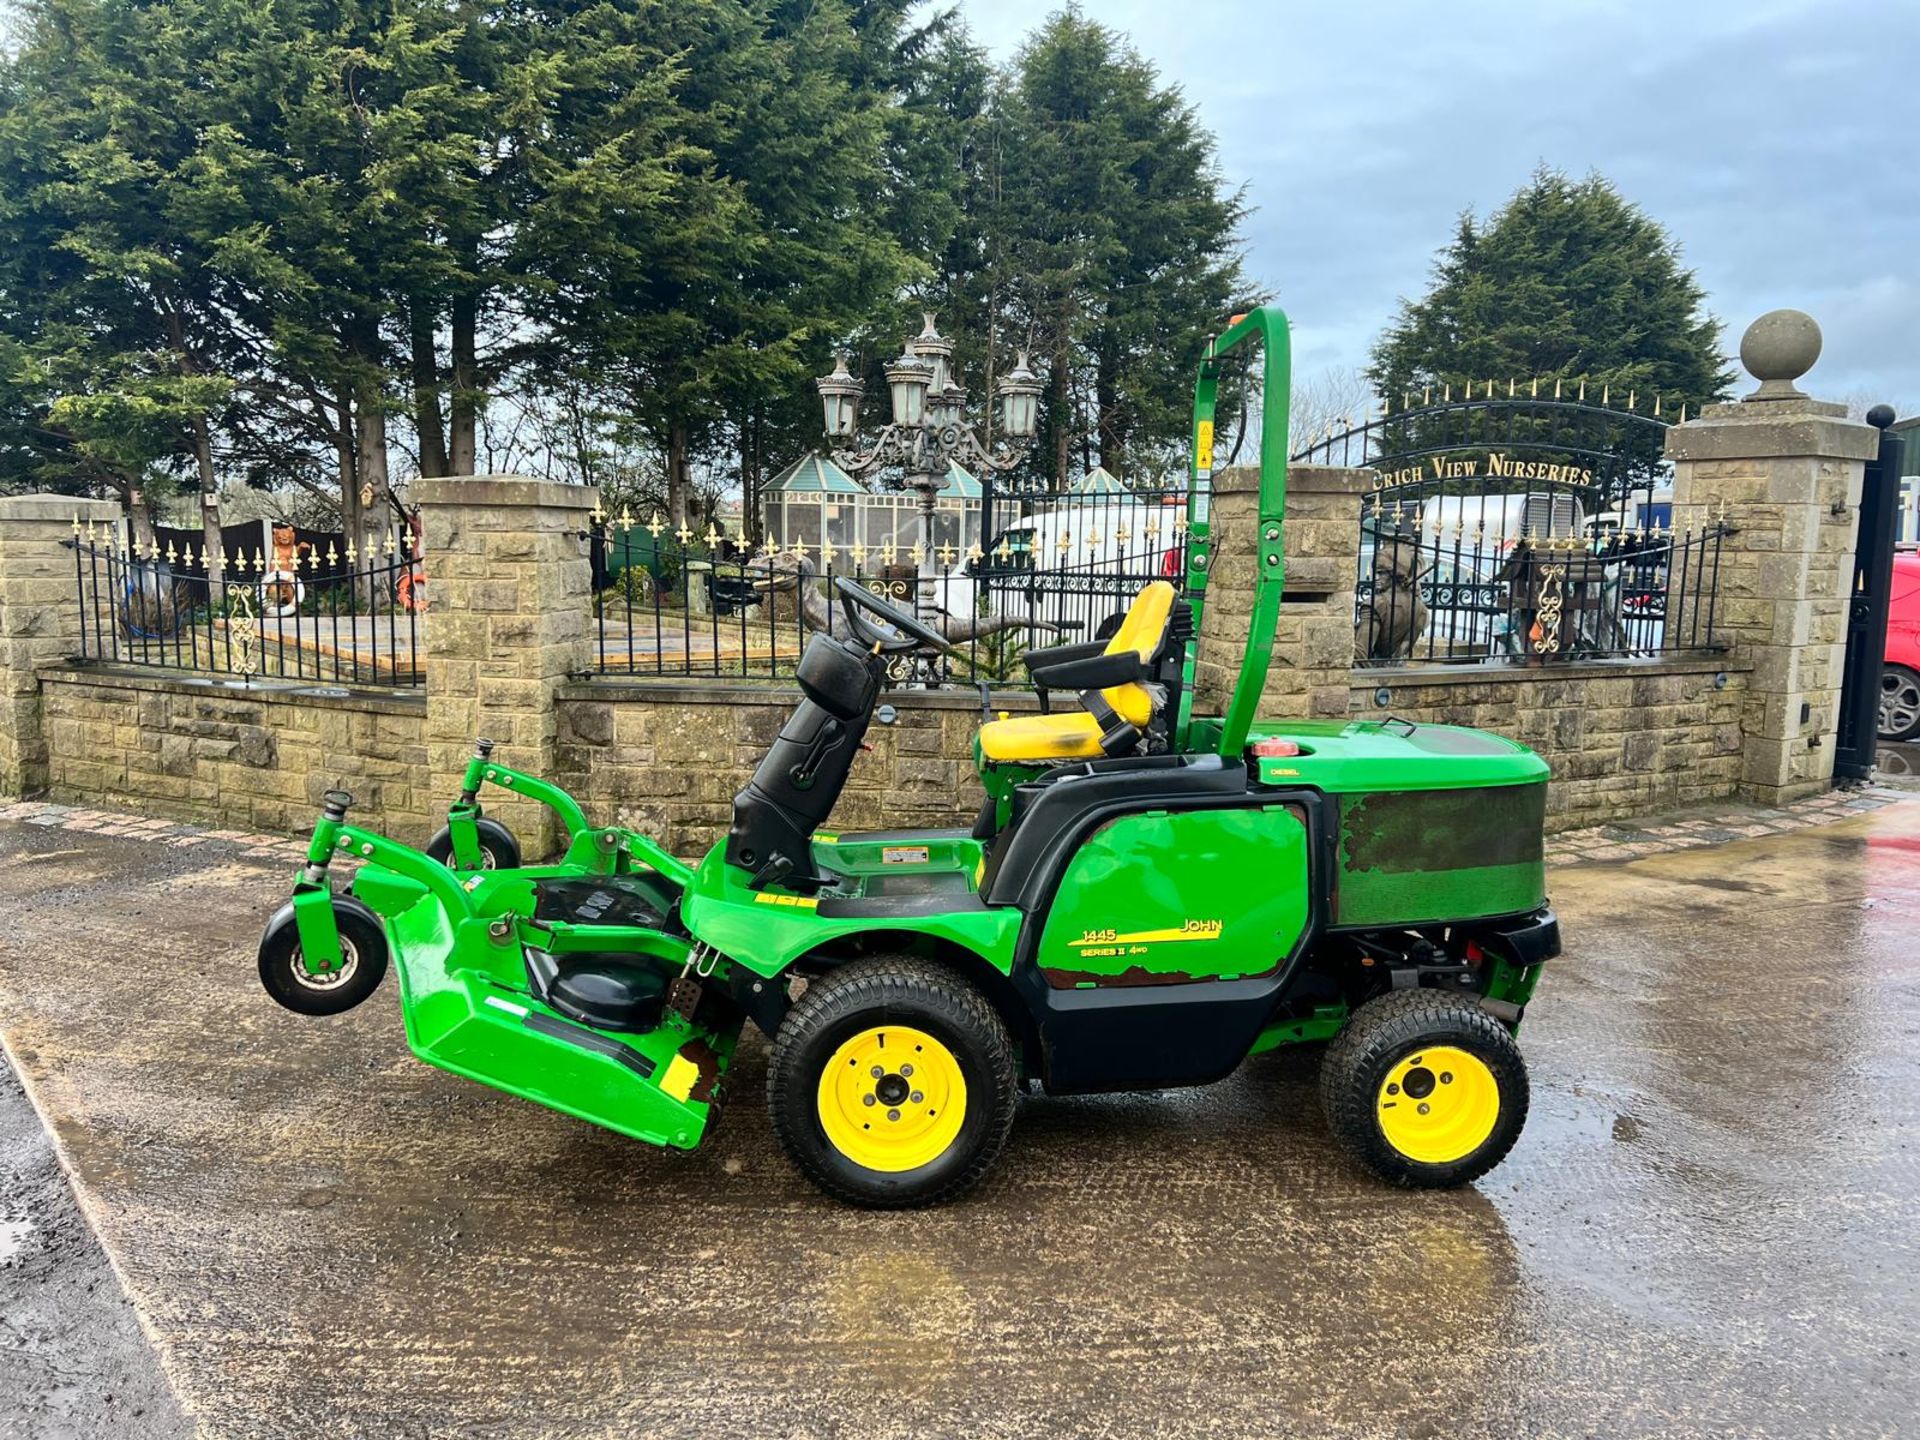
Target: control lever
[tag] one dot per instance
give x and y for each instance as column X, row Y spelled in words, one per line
column 802, row 775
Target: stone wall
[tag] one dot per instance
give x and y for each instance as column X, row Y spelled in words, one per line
column 668, row 758
column 1623, row 739
column 39, row 621
column 507, row 625
column 1785, row 473
column 255, row 759
column 1313, row 636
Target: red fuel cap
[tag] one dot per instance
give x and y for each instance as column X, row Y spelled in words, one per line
column 1274, row 748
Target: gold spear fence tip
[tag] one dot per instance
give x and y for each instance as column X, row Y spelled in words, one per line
column 1556, row 387
column 1446, row 396
column 1632, row 395
column 1606, row 394
column 1583, row 389
column 655, row 525
column 1656, row 404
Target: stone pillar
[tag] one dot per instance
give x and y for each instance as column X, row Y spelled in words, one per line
column 1785, row 473
column 39, row 621
column 1312, row 667
column 509, row 586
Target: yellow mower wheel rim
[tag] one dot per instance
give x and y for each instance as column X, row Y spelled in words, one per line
column 892, row 1098
column 1438, row 1105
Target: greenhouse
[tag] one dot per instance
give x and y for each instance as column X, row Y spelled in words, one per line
column 814, row 502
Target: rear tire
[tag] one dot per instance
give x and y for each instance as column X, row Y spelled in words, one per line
column 363, row 961
column 499, row 850
column 892, row 1084
column 1899, row 703
column 1425, row 1089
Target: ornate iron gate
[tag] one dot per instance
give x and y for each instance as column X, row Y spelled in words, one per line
column 1522, row 527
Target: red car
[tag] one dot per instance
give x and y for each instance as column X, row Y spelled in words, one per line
column 1900, row 681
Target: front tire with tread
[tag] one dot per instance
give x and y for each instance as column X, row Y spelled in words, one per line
column 908, row 993
column 363, row 946
column 1385, row 1033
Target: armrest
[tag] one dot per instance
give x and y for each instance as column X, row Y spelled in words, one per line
column 1091, row 672
column 1053, row 654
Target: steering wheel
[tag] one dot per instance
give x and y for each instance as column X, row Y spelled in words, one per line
column 854, row 598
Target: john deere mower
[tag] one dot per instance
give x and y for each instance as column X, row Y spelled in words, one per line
column 1149, row 897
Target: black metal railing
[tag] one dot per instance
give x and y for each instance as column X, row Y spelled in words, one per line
column 305, row 614
column 708, row 606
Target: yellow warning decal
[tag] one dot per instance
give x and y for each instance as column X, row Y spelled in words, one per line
column 682, row 1075
column 1203, row 446
column 805, row 902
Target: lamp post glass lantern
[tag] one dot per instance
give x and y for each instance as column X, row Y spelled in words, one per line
column 909, row 379
column 929, row 433
column 840, row 396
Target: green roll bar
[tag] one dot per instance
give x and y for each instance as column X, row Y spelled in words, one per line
column 1268, row 325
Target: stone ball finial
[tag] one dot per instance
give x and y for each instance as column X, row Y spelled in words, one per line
column 1777, row 350
column 1881, row 416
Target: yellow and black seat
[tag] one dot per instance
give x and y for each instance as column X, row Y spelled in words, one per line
column 1119, row 694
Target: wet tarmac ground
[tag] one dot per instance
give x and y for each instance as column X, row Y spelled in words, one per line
column 1708, row 1228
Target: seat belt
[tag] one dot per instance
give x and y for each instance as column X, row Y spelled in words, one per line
column 1118, row 736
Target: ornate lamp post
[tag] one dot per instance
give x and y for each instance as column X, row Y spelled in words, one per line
column 929, row 431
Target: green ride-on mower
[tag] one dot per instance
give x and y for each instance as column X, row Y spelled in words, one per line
column 1149, row 897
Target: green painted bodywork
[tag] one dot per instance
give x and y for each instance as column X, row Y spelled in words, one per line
column 1435, row 824
column 765, row 931
column 1165, row 898
column 458, row 943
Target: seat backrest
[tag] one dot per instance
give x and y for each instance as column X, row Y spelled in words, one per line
column 1142, row 632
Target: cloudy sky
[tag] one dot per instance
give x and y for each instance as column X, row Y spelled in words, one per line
column 1777, row 140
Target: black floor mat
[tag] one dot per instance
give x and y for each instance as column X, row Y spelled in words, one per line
column 607, row 900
